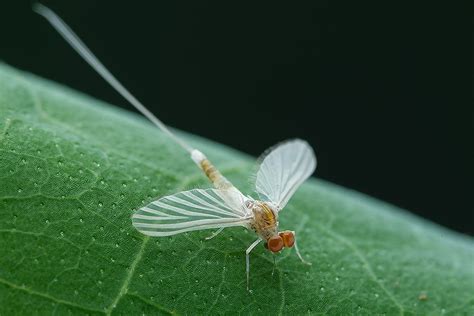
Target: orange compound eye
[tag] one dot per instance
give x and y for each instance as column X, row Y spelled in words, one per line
column 288, row 238
column 275, row 243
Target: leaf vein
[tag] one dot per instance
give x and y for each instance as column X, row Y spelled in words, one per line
column 46, row 296
column 129, row 275
column 365, row 263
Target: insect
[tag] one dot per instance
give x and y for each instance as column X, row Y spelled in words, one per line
column 282, row 170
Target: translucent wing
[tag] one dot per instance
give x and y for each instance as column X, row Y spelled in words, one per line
column 192, row 210
column 283, row 169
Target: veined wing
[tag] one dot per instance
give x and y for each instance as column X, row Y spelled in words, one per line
column 283, row 169
column 192, row 210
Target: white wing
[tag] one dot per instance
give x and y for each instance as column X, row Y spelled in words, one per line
column 283, row 169
column 192, row 210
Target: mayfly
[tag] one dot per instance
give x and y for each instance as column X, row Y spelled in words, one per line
column 282, row 170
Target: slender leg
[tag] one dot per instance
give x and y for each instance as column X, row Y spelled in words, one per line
column 215, row 233
column 247, row 259
column 274, row 264
column 298, row 252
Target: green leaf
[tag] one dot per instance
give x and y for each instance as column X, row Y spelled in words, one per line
column 72, row 169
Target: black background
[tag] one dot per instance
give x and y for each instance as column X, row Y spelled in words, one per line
column 381, row 90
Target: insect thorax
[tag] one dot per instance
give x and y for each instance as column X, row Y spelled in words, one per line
column 265, row 222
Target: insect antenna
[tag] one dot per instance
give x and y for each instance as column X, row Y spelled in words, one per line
column 78, row 45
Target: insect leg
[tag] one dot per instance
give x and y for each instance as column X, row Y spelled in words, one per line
column 215, row 233
column 298, row 252
column 247, row 259
column 274, row 264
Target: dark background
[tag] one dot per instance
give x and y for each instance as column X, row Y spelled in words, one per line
column 381, row 90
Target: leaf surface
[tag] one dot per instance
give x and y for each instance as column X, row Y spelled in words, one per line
column 73, row 169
